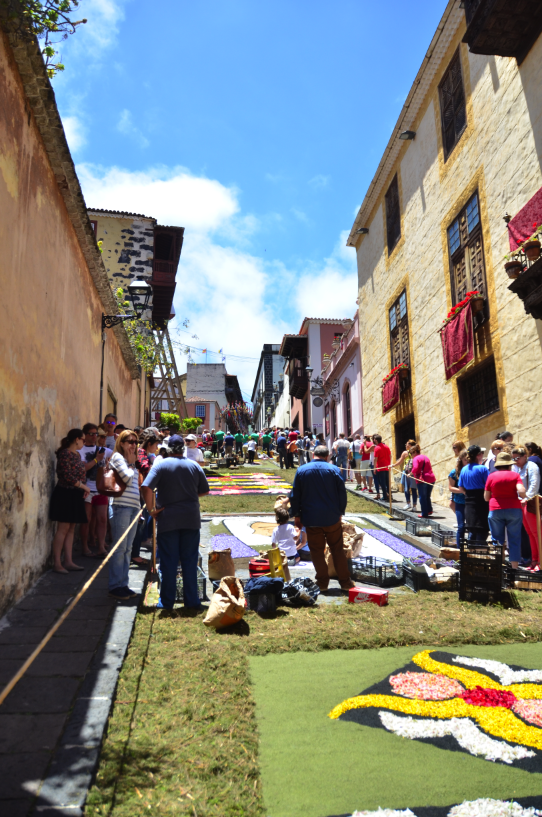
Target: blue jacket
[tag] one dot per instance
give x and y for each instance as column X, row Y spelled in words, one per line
column 318, row 495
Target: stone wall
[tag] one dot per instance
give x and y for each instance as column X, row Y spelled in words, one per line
column 497, row 155
column 50, row 331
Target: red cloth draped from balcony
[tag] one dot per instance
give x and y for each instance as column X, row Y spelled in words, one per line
column 525, row 222
column 390, row 393
column 458, row 342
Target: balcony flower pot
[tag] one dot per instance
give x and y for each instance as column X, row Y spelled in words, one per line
column 477, row 304
column 335, row 344
column 532, row 249
column 513, row 269
column 403, row 374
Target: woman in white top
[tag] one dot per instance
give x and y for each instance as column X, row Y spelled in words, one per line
column 123, row 510
column 530, row 477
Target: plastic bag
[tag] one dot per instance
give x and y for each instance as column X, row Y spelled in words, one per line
column 301, row 592
column 227, row 604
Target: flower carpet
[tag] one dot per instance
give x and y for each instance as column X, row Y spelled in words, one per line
column 239, row 483
column 435, row 733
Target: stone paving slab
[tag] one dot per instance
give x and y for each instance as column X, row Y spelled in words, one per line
column 52, row 723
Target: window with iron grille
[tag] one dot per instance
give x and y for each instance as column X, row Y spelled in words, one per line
column 393, row 215
column 399, row 340
column 466, row 249
column 452, row 105
column 200, row 411
column 478, row 393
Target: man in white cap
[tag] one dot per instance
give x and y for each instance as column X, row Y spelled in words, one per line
column 192, row 452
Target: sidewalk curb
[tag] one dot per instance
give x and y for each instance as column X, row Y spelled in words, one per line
column 74, row 762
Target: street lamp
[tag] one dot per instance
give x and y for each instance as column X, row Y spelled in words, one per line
column 138, row 289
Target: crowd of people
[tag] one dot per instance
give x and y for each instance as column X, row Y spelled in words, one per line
column 139, row 462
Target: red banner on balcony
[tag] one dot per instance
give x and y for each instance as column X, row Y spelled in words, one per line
column 390, row 393
column 458, row 342
column 524, row 223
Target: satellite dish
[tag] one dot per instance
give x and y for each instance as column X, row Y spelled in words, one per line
column 317, row 402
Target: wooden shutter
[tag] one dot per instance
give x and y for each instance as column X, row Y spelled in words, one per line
column 452, row 103
column 393, row 215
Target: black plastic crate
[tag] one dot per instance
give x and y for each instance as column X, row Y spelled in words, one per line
column 521, row 579
column 443, row 538
column 418, row 580
column 373, row 570
column 262, row 603
column 486, row 593
column 202, row 586
column 418, row 527
column 478, row 570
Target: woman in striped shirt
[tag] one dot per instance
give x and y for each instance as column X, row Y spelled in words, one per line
column 123, row 510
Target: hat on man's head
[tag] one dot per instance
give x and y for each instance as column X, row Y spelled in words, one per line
column 504, row 458
column 474, row 450
column 175, row 443
column 191, row 437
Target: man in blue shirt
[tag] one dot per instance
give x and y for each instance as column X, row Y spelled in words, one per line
column 179, row 483
column 318, row 501
column 282, row 451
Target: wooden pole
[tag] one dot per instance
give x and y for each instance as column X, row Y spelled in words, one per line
column 389, row 492
column 538, row 531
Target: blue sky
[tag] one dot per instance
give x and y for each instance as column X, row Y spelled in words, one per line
column 258, row 127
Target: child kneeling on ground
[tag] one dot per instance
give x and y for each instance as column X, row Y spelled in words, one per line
column 286, row 536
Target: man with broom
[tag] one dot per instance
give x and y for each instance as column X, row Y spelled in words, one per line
column 179, row 482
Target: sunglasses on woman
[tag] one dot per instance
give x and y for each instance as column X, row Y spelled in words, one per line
column 131, row 442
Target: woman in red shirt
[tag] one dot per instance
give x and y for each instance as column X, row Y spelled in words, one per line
column 503, row 491
column 423, row 473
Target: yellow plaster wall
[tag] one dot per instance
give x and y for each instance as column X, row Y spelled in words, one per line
column 498, row 154
column 50, row 336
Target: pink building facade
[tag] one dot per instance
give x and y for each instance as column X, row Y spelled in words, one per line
column 341, row 373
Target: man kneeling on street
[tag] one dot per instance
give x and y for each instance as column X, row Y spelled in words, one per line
column 318, row 501
column 179, row 482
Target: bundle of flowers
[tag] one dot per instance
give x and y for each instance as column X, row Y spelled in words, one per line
column 459, row 306
column 394, row 372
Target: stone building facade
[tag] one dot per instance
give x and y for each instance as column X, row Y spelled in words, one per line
column 463, row 157
column 266, row 384
column 341, row 376
column 54, row 291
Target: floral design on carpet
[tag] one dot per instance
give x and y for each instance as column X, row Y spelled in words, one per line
column 495, row 715
column 234, row 484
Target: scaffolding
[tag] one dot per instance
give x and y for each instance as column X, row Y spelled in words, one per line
column 169, row 388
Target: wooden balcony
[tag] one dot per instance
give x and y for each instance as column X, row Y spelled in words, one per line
column 502, row 27
column 528, row 287
column 299, row 383
column 163, row 272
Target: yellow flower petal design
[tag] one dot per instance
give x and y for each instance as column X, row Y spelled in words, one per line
column 469, row 678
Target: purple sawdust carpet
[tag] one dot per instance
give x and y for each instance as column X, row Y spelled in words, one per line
column 396, row 544
column 239, row 550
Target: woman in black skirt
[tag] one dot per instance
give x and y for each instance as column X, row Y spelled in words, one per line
column 68, row 499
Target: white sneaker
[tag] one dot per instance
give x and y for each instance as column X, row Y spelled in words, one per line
column 406, row 507
column 414, row 508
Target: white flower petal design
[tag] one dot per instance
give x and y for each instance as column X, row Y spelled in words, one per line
column 502, row 671
column 466, row 733
column 492, row 808
column 384, row 812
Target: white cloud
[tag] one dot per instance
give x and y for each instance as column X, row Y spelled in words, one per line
column 330, row 290
column 301, row 216
column 75, row 132
column 234, row 299
column 127, row 126
column 173, row 196
column 319, row 181
column 102, row 26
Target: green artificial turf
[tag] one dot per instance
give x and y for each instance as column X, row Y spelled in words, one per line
column 312, row 766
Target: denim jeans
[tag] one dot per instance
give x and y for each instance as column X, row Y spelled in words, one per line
column 381, row 482
column 425, row 490
column 511, row 520
column 121, row 517
column 238, row 447
column 179, row 546
column 342, row 463
column 283, row 457
column 460, row 516
column 409, row 486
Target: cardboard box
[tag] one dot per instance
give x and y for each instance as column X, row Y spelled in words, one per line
column 361, row 595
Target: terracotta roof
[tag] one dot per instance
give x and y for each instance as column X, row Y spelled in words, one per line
column 119, row 213
column 41, row 99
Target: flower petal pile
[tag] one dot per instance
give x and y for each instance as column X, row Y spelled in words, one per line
column 530, row 711
column 489, row 697
column 426, row 687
